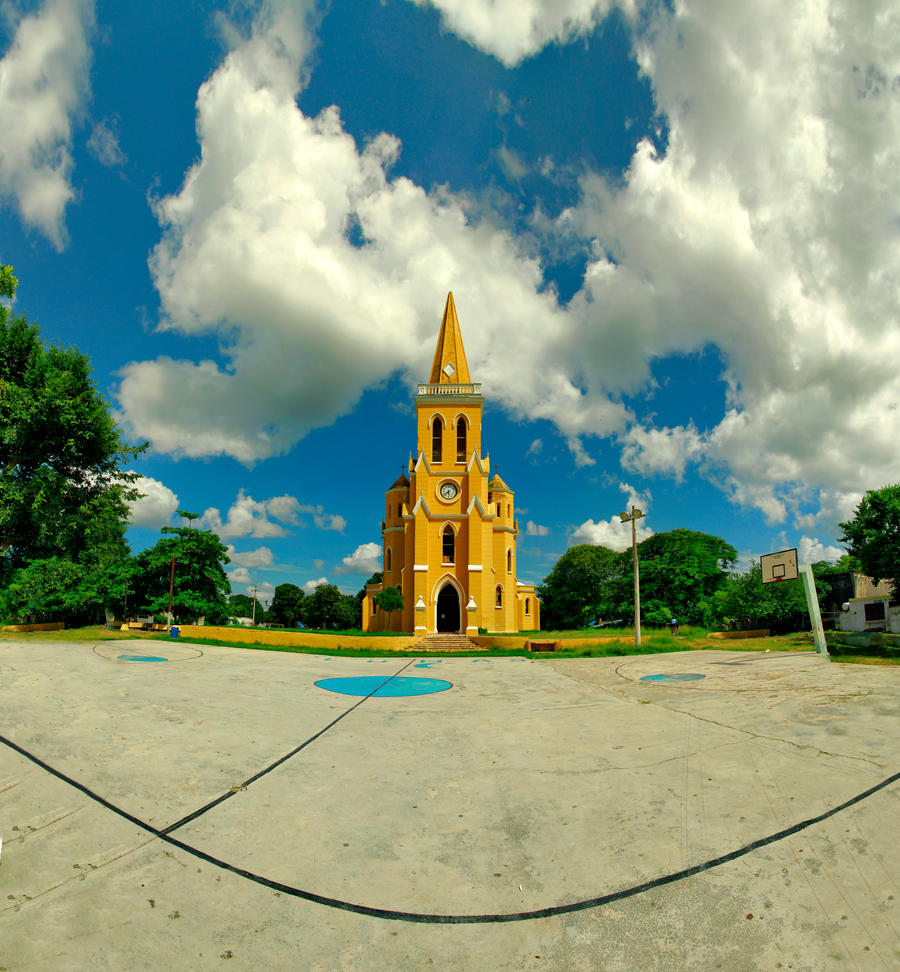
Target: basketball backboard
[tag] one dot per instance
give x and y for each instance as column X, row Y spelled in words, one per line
column 779, row 566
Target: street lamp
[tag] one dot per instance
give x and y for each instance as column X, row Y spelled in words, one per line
column 634, row 516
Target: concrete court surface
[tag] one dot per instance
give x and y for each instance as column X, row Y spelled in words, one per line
column 539, row 814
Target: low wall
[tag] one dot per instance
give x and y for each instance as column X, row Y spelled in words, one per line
column 520, row 642
column 331, row 642
column 297, row 639
column 861, row 639
column 47, row 626
column 761, row 633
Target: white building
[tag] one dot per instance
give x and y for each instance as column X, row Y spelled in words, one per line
column 871, row 608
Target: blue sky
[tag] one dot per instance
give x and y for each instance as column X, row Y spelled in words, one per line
column 672, row 232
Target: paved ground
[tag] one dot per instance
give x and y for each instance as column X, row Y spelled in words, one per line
column 555, row 813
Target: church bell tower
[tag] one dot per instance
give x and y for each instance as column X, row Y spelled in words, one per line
column 449, row 530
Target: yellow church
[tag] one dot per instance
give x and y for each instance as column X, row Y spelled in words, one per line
column 449, row 530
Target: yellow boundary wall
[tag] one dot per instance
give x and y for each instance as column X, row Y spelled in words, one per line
column 47, row 626
column 761, row 633
column 518, row 642
column 296, row 639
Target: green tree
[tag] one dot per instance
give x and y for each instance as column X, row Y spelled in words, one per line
column 63, row 485
column 201, row 584
column 390, row 600
column 679, row 571
column 45, row 590
column 244, row 606
column 287, row 605
column 873, row 535
column 578, row 589
column 328, row 609
column 745, row 603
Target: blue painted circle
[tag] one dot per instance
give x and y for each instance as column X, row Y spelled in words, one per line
column 141, row 658
column 675, row 677
column 379, row 688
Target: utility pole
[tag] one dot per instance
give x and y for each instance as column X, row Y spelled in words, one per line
column 634, row 516
column 171, row 589
column 253, row 619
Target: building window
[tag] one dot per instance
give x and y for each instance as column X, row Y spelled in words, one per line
column 528, row 605
column 509, row 510
column 498, row 510
column 448, row 544
column 509, row 561
column 875, row 611
column 437, row 440
column 499, row 596
column 388, row 561
column 400, row 509
column 461, row 439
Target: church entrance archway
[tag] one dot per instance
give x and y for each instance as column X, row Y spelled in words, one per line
column 448, row 610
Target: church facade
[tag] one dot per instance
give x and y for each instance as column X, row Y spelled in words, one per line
column 449, row 530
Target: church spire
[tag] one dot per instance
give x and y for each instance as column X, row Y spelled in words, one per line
column 450, row 365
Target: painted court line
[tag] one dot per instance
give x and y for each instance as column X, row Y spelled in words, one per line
column 441, row 919
column 252, row 779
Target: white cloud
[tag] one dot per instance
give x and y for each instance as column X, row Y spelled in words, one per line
column 260, row 557
column 762, row 230
column 240, row 575
column 245, row 518
column 666, row 451
column 767, row 228
column 248, row 517
column 366, row 559
column 613, row 533
column 610, row 533
column 156, row 507
column 104, row 145
column 811, row 551
column 311, row 585
column 533, row 529
column 834, row 507
column 535, row 448
column 515, row 29
column 255, row 248
column 43, row 84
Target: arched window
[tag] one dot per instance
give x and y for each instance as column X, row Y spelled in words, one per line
column 387, row 562
column 461, row 439
column 499, row 596
column 400, row 509
column 437, row 440
column 528, row 605
column 509, row 561
column 448, row 544
column 498, row 510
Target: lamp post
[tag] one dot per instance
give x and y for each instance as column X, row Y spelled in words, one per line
column 634, row 516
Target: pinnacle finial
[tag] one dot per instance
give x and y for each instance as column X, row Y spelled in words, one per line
column 449, row 365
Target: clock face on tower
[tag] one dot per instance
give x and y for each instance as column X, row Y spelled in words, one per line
column 448, row 491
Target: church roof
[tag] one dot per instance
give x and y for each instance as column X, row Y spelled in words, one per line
column 450, row 365
column 400, row 482
column 497, row 483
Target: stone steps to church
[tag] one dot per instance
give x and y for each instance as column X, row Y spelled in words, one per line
column 445, row 642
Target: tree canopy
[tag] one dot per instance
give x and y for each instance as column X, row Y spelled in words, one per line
column 578, row 589
column 200, row 585
column 680, row 570
column 390, row 600
column 287, row 605
column 63, row 483
column 873, row 535
column 328, row 609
